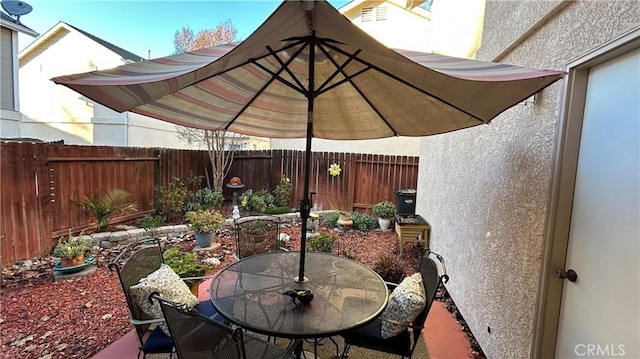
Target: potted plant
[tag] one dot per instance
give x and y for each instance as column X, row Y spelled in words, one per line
column 384, row 210
column 257, row 230
column 72, row 250
column 345, row 221
column 204, row 224
column 186, row 266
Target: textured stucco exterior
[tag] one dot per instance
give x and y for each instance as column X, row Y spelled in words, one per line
column 485, row 190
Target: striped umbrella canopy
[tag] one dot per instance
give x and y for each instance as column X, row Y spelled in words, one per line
column 307, row 72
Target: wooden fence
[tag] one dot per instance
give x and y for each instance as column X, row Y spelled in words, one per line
column 39, row 183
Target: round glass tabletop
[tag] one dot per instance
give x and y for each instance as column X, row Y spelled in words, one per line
column 252, row 293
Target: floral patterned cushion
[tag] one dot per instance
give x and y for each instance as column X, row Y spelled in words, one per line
column 167, row 284
column 405, row 303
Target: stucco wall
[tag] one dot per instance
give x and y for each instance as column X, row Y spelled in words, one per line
column 485, row 190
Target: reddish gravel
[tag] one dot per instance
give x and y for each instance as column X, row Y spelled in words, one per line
column 77, row 318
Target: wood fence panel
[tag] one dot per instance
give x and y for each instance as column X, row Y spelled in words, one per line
column 41, row 181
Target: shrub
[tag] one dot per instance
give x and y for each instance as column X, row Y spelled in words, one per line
column 363, row 222
column 184, row 264
column 205, row 198
column 171, row 199
column 282, row 193
column 256, row 202
column 330, row 219
column 323, row 242
column 389, row 268
column 203, row 221
column 384, row 209
column 278, row 210
column 151, row 222
column 105, row 207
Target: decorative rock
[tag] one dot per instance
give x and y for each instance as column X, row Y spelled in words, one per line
column 283, row 237
column 119, row 236
column 214, row 262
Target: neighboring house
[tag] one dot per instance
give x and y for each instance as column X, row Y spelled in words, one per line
column 9, row 100
column 547, row 187
column 398, row 25
column 51, row 112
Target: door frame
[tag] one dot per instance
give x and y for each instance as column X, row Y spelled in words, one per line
column 563, row 178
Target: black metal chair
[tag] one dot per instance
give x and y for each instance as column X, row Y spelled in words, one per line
column 404, row 343
column 197, row 336
column 257, row 234
column 135, row 262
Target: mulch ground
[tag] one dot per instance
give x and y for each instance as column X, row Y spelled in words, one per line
column 77, row 318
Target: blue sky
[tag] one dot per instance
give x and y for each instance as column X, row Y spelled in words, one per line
column 147, row 25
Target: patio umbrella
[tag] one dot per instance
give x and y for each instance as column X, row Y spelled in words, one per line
column 308, row 72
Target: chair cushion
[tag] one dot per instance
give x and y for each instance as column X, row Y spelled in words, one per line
column 167, row 284
column 369, row 337
column 406, row 301
column 157, row 342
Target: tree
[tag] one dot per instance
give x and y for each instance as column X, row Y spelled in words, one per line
column 221, row 145
column 184, row 40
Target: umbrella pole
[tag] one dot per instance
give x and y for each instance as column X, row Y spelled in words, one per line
column 305, row 204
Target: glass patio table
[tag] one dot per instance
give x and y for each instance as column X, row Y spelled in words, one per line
column 250, row 294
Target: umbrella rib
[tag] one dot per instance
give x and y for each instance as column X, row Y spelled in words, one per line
column 338, row 70
column 405, row 82
column 266, row 84
column 285, row 66
column 276, row 76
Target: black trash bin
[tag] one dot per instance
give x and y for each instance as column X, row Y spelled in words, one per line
column 406, row 201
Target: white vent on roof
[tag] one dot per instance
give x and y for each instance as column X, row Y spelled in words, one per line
column 381, row 13
column 366, row 14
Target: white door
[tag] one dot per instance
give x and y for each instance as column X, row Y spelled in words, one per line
column 600, row 311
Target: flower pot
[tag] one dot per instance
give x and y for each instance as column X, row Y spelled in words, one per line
column 72, row 262
column 384, row 223
column 195, row 287
column 205, row 239
column 344, row 222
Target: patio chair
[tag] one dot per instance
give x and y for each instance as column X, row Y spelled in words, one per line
column 257, row 234
column 133, row 264
column 404, row 343
column 197, row 336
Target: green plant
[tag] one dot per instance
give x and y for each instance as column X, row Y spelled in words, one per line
column 205, row 220
column 105, row 207
column 389, row 268
column 184, row 264
column 277, row 210
column 71, row 246
column 205, row 198
column 323, row 242
column 384, row 209
column 256, row 227
column 171, row 198
column 256, row 202
column 363, row 222
column 151, row 222
column 282, row 192
column 331, row 218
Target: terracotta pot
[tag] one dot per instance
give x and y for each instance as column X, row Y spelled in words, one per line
column 72, row 262
column 344, row 222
